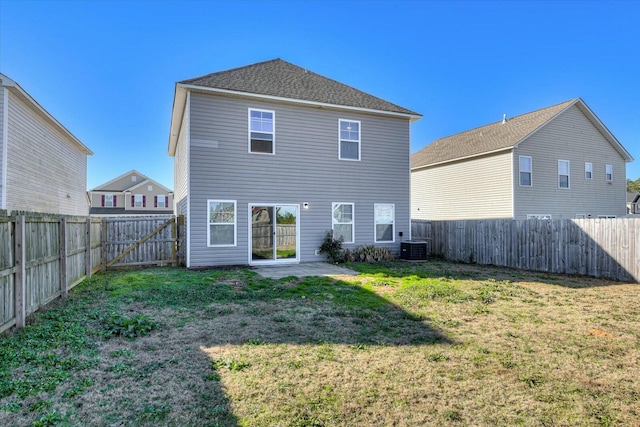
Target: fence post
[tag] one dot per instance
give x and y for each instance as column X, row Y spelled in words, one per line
column 63, row 258
column 20, row 255
column 87, row 250
column 174, row 246
column 103, row 241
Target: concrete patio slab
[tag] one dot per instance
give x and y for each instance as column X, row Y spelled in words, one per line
column 303, row 270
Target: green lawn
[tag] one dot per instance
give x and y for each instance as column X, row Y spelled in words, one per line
column 402, row 344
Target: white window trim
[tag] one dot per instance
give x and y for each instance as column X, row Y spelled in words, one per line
column 235, row 224
column 105, row 200
column 539, row 216
column 164, row 200
column 581, row 216
column 568, row 175
column 588, row 169
column 353, row 219
column 393, row 232
column 607, row 216
column 359, row 141
column 273, row 134
column 606, row 172
column 530, row 172
column 135, row 201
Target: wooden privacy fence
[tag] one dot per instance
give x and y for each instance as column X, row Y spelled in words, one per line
column 41, row 258
column 132, row 241
column 603, row 247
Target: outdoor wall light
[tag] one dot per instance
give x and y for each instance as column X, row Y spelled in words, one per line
column 305, row 205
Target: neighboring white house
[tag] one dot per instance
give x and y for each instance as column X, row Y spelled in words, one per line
column 270, row 156
column 557, row 162
column 43, row 167
column 131, row 193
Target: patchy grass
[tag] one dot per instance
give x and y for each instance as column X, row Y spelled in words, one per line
column 404, row 344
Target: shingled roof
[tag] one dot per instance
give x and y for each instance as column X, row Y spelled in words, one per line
column 282, row 79
column 486, row 139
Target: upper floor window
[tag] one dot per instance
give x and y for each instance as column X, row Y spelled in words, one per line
column 161, row 201
column 384, row 218
column 349, row 140
column 563, row 173
column 222, row 223
column 109, row 201
column 539, row 216
column 525, row 171
column 342, row 221
column 588, row 170
column 608, row 173
column 261, row 131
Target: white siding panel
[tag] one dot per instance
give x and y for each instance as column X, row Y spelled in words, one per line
column 572, row 137
column 2, row 159
column 472, row 189
column 45, row 172
column 305, row 168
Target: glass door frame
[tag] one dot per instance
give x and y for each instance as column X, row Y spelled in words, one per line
column 275, row 247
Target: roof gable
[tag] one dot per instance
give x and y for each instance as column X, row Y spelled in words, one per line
column 21, row 93
column 108, row 186
column 500, row 136
column 285, row 80
column 281, row 81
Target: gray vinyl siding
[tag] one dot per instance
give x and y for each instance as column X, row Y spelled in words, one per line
column 305, row 168
column 471, row 189
column 571, row 136
column 46, row 173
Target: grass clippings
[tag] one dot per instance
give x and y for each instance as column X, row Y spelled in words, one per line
column 402, row 344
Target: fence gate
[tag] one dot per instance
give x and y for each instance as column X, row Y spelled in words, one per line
column 140, row 241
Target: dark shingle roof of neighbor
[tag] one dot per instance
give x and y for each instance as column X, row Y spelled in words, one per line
column 285, row 80
column 633, row 197
column 485, row 139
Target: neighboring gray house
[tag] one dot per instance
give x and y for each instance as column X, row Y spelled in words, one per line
column 270, row 156
column 43, row 167
column 131, row 193
column 633, row 203
column 557, row 162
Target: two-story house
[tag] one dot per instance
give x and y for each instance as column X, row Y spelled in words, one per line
column 43, row 166
column 131, row 193
column 557, row 162
column 270, row 156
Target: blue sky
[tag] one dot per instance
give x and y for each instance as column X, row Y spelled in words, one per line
column 106, row 70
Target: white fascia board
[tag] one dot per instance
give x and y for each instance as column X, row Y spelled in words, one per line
column 411, row 117
column 119, row 177
column 177, row 112
column 8, row 83
column 5, row 143
column 417, row 168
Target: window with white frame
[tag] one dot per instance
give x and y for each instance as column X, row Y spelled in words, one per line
column 581, row 216
column 349, row 140
column 608, row 172
column 563, row 174
column 261, row 131
column 161, row 201
column 526, row 168
column 588, row 170
column 108, row 201
column 222, row 223
column 384, row 219
column 342, row 221
column 138, row 201
column 538, row 216
column 607, row 216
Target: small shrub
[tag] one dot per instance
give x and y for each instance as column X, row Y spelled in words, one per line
column 332, row 247
column 129, row 327
column 368, row 253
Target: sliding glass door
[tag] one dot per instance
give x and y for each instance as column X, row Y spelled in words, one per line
column 274, row 233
